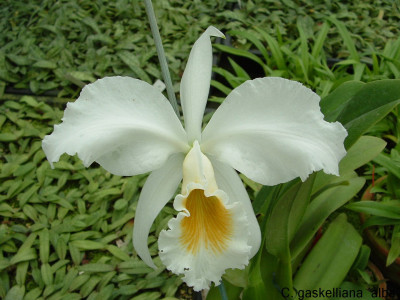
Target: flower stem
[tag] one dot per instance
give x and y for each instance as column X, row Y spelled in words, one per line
column 161, row 55
column 222, row 290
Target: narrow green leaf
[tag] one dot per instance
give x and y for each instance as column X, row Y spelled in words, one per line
column 319, row 42
column 240, row 52
column 394, row 251
column 96, row 267
column 381, row 209
column 88, row 245
column 45, row 64
column 347, row 39
column 117, row 252
column 276, row 51
column 44, row 247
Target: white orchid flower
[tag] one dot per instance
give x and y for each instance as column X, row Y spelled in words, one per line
column 270, row 129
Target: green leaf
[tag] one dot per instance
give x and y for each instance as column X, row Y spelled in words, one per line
column 44, row 248
column 362, row 152
column 256, row 289
column 47, row 274
column 347, row 39
column 362, row 259
column 15, row 293
column 330, row 260
column 333, row 104
column 22, row 269
column 253, row 39
column 96, row 267
column 117, row 252
column 240, row 52
column 319, row 42
column 381, row 209
column 45, row 64
column 285, row 218
column 276, row 51
column 320, row 208
column 134, row 267
column 88, row 245
column 240, row 72
column 394, row 251
column 389, row 163
column 369, row 105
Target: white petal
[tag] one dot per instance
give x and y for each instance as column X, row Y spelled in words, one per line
column 210, row 233
column 195, row 83
column 124, row 124
column 216, row 239
column 229, row 181
column 157, row 191
column 272, row 130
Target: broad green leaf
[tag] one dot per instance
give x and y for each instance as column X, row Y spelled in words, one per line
column 319, row 209
column 363, row 151
column 78, row 281
column 47, row 274
column 369, row 105
column 362, row 259
column 22, row 269
column 17, row 292
column 329, row 261
column 285, row 217
column 333, row 104
column 256, row 290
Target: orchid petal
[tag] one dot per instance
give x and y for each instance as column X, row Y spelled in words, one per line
column 210, row 233
column 229, row 181
column 195, row 83
column 272, row 130
column 124, row 124
column 159, row 188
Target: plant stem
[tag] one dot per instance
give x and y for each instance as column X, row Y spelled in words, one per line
column 222, row 290
column 161, row 55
